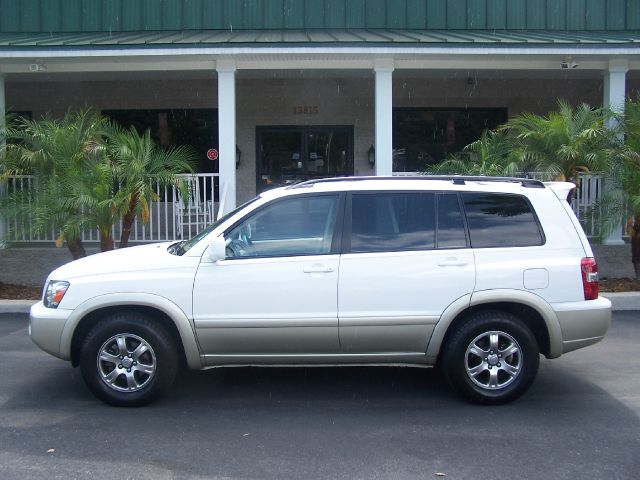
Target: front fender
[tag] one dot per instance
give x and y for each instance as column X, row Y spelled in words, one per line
column 181, row 321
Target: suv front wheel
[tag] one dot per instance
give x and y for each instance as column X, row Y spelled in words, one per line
column 128, row 359
column 492, row 358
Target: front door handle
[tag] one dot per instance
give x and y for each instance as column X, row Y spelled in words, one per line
column 317, row 269
column 452, row 262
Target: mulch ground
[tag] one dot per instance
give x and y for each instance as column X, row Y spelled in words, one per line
column 619, row 285
column 21, row 292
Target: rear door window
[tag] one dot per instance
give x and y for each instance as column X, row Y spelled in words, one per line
column 392, row 222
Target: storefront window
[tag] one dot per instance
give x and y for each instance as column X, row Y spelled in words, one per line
column 196, row 127
column 426, row 136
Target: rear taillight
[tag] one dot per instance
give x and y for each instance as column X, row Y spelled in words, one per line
column 589, row 270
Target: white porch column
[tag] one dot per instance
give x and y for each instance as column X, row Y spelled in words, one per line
column 614, row 97
column 384, row 117
column 227, row 134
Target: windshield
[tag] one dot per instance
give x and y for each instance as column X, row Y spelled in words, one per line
column 182, row 247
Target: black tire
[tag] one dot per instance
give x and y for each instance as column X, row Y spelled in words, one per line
column 484, row 375
column 139, row 377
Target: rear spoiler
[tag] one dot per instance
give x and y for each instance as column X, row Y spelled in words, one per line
column 561, row 189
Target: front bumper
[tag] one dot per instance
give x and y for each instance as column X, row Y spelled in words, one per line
column 583, row 323
column 46, row 326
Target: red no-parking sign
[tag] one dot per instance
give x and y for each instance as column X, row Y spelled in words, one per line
column 212, row 154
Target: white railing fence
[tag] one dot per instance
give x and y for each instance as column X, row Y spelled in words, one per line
column 584, row 203
column 585, row 199
column 171, row 217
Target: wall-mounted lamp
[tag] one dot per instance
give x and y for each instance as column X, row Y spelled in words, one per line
column 238, row 155
column 371, row 155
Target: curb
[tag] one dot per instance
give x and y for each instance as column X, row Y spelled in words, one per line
column 16, row 306
column 623, row 301
column 620, row 302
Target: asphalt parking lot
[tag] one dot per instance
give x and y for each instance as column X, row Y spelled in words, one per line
column 581, row 419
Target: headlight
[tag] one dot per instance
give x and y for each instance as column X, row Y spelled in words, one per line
column 54, row 293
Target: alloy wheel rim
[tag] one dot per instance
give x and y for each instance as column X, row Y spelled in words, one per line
column 493, row 360
column 126, row 362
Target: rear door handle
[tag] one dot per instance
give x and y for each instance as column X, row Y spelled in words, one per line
column 452, row 262
column 317, row 269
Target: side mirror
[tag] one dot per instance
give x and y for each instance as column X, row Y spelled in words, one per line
column 217, row 249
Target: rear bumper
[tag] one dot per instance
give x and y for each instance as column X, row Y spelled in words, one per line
column 583, row 323
column 46, row 326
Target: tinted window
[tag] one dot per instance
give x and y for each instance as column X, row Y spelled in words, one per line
column 294, row 226
column 423, row 137
column 392, row 222
column 500, row 220
column 450, row 222
column 197, row 127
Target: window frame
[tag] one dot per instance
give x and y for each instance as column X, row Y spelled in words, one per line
column 506, row 194
column 337, row 230
column 465, row 226
column 348, row 220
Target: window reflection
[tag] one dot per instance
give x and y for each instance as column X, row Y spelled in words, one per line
column 392, row 222
column 426, row 136
column 294, row 226
column 501, row 220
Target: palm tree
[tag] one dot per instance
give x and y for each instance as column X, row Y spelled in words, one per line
column 492, row 155
column 136, row 161
column 66, row 157
column 565, row 142
column 622, row 198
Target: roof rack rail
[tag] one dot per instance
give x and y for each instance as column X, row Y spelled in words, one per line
column 456, row 179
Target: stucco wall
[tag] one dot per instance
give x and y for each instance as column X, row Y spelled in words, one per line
column 269, row 98
column 517, row 94
column 56, row 97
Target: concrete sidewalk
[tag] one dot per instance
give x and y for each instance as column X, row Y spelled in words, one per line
column 623, row 301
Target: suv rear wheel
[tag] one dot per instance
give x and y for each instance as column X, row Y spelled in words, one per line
column 127, row 359
column 492, row 358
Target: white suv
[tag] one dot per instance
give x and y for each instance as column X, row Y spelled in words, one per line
column 476, row 275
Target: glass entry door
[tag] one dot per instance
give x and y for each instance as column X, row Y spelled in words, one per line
column 288, row 155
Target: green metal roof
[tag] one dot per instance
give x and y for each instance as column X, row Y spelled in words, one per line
column 43, row 16
column 315, row 37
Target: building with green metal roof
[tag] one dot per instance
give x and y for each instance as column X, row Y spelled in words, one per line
column 287, row 90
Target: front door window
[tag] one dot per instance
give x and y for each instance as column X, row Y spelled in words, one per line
column 290, row 227
column 288, row 155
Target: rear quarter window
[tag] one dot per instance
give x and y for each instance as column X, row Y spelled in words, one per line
column 501, row 220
